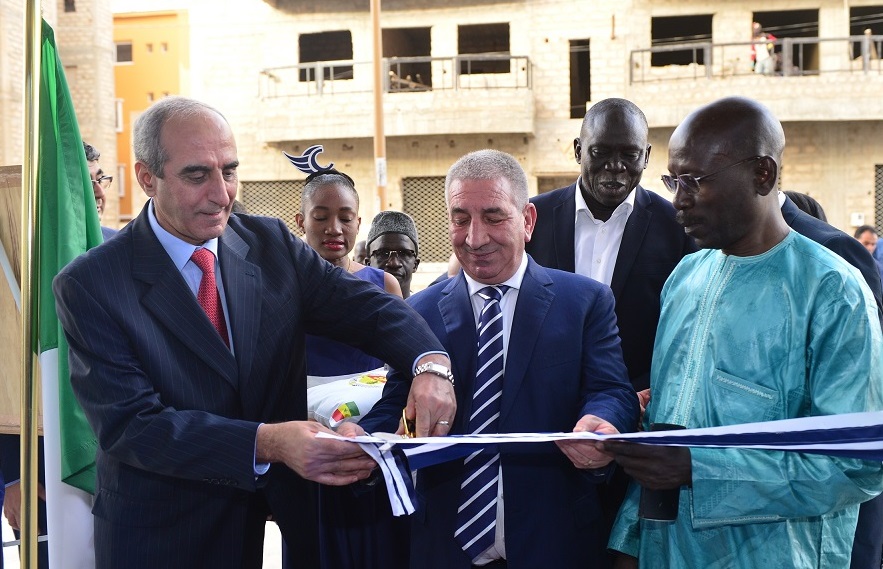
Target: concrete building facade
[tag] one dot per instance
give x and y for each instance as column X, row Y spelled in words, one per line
column 83, row 34
column 151, row 61
column 518, row 76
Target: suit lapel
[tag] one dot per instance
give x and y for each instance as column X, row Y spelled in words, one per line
column 632, row 237
column 242, row 286
column 534, row 299
column 563, row 217
column 455, row 308
column 172, row 304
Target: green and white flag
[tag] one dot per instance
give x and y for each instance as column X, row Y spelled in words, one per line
column 66, row 226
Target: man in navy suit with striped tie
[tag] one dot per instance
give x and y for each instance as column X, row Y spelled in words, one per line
column 533, row 350
column 186, row 336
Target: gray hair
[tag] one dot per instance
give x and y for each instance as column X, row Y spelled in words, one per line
column 490, row 164
column 92, row 153
column 148, row 128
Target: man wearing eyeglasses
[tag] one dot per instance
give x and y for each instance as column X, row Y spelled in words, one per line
column 392, row 247
column 100, row 183
column 763, row 324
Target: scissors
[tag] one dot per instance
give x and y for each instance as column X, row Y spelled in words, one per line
column 408, row 426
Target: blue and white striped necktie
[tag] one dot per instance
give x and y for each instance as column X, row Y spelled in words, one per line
column 477, row 514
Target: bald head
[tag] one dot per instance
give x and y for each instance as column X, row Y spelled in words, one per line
column 734, row 126
column 725, row 158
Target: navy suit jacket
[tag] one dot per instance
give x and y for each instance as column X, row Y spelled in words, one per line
column 844, row 245
column 652, row 244
column 176, row 413
column 563, row 361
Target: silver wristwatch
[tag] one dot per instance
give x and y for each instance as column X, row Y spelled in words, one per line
column 435, row 369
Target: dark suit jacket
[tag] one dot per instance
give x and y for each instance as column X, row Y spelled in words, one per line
column 563, row 361
column 832, row 238
column 108, row 232
column 176, row 413
column 868, row 545
column 652, row 244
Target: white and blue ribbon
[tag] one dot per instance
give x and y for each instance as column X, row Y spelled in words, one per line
column 853, row 435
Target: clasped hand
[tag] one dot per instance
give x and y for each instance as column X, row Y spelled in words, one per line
column 585, row 454
column 652, row 466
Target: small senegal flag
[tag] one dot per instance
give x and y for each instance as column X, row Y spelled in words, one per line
column 344, row 411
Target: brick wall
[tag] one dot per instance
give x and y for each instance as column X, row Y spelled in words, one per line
column 85, row 45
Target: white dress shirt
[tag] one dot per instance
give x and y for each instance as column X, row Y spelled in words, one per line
column 180, row 251
column 595, row 242
column 507, row 307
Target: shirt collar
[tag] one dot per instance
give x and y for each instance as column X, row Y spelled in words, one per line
column 179, row 250
column 627, row 205
column 781, row 196
column 512, row 282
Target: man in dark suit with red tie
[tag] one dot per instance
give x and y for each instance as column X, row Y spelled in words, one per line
column 198, row 397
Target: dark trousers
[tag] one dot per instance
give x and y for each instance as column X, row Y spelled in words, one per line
column 867, row 548
column 358, row 531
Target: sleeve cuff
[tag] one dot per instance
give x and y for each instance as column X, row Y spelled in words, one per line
column 423, row 355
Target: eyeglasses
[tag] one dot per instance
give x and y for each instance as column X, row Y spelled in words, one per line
column 103, row 181
column 384, row 255
column 690, row 184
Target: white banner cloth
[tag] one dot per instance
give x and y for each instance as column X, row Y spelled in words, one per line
column 854, row 435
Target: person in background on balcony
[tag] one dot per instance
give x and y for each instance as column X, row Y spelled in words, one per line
column 763, row 56
column 392, row 246
column 607, row 227
column 762, row 324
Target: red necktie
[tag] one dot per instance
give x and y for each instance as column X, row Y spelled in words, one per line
column 208, row 297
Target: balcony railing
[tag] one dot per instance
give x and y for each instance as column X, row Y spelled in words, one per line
column 794, row 57
column 401, row 75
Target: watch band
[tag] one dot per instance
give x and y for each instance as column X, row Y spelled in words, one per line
column 435, row 369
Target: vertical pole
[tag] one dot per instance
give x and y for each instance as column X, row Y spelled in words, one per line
column 29, row 203
column 379, row 135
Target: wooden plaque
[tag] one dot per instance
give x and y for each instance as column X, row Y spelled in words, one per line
column 10, row 317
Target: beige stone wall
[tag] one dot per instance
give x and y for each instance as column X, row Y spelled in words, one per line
column 831, row 120
column 85, row 45
column 11, row 76
column 830, row 161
